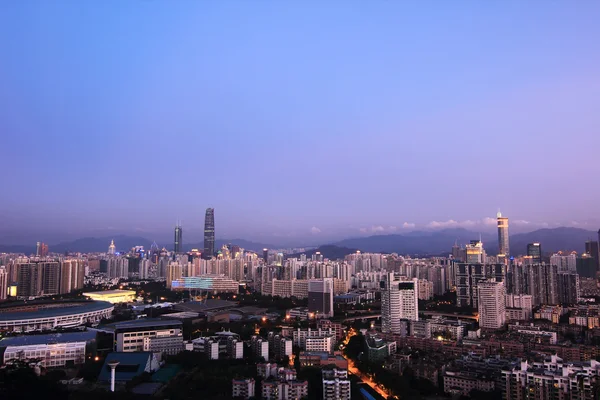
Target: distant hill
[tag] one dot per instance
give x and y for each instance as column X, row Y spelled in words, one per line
column 440, row 242
column 328, row 251
column 553, row 240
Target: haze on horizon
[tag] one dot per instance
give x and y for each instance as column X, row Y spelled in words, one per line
column 294, row 121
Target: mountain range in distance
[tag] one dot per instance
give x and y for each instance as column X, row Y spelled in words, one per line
column 414, row 243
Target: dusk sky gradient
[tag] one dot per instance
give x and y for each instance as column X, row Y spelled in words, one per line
column 296, row 120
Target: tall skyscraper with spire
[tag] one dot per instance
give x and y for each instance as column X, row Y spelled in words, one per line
column 111, row 247
column 178, row 237
column 503, row 246
column 209, row 233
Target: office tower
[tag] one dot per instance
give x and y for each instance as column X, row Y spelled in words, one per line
column 534, row 250
column 475, row 252
column 266, row 256
column 112, row 248
column 209, row 233
column 437, row 275
column 492, row 304
column 568, row 288
column 503, row 241
column 399, row 300
column 591, row 248
column 38, row 249
column 178, row 235
column 585, row 266
column 3, row 283
column 320, row 297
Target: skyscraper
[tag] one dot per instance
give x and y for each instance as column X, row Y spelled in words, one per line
column 534, row 250
column 492, row 304
column 209, row 233
column 503, row 246
column 475, row 252
column 178, row 236
column 111, row 247
column 320, row 297
column 399, row 300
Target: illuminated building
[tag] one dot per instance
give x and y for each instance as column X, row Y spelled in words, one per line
column 534, row 250
column 336, row 385
column 112, row 296
column 72, row 272
column 210, row 283
column 209, row 233
column 154, row 335
column 112, row 248
column 503, row 239
column 475, row 252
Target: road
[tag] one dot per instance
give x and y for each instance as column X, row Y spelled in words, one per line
column 355, row 371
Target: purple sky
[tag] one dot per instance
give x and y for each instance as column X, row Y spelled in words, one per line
column 295, row 120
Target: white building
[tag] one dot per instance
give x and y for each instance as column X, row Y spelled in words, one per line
column 243, row 388
column 520, row 305
column 314, row 339
column 154, row 335
column 54, row 350
column 399, row 300
column 336, row 385
column 492, row 304
column 282, row 390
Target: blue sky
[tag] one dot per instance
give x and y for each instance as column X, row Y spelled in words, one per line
column 301, row 120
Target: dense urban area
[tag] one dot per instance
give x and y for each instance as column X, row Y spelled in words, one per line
column 229, row 323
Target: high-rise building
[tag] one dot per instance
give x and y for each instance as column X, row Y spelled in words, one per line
column 503, row 240
column 71, row 275
column 475, row 252
column 568, row 287
column 492, row 304
column 178, row 236
column 266, row 256
column 38, row 248
column 3, row 283
column 564, row 262
column 320, row 297
column 336, row 385
column 209, row 233
column 467, row 277
column 399, row 300
column 112, row 248
column 591, row 248
column 534, row 250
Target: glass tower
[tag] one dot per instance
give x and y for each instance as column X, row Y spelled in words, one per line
column 503, row 247
column 178, row 235
column 209, row 233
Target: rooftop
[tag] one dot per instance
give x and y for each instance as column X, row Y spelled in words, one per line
column 142, row 323
column 203, row 306
column 83, row 307
column 48, row 339
column 130, row 365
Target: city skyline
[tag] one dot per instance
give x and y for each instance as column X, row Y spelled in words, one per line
column 328, row 123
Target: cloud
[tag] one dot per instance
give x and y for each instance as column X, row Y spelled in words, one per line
column 520, row 222
column 314, row 230
column 442, row 224
column 489, row 221
column 379, row 229
column 408, row 225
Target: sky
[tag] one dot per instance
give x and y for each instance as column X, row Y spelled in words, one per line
column 297, row 121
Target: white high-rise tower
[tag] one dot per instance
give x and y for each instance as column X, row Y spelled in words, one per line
column 399, row 300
